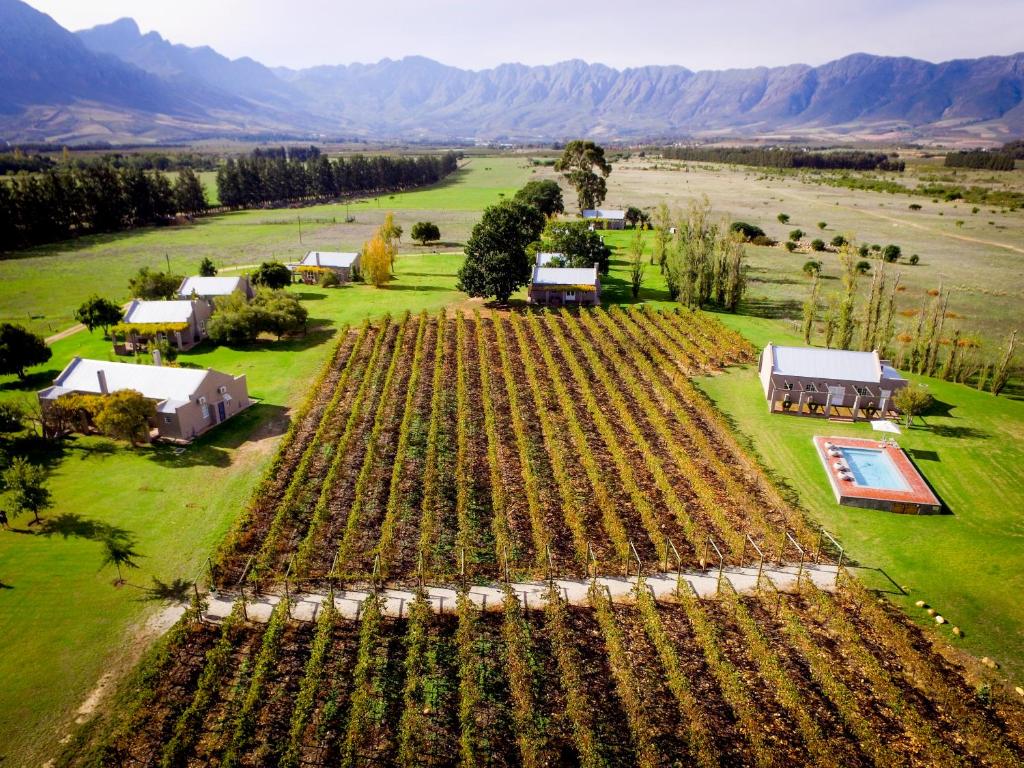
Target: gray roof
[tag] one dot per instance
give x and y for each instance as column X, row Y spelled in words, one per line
column 604, row 213
column 565, row 276
column 179, row 311
column 329, row 259
column 830, row 364
column 152, row 381
column 209, row 286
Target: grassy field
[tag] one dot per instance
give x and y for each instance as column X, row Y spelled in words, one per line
column 968, row 564
column 43, row 286
column 62, row 624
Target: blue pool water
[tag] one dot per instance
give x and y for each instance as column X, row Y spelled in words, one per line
column 873, row 468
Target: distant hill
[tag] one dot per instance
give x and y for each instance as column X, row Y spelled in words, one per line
column 114, row 82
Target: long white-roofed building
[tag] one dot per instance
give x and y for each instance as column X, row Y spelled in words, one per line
column 189, row 401
column 210, row 288
column 835, row 383
column 605, row 218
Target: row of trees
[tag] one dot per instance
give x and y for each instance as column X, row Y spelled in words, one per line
column 787, row 158
column 925, row 348
column 704, row 261
column 68, row 202
column 989, row 161
column 265, row 179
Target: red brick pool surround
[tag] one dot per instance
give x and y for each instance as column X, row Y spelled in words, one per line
column 918, row 500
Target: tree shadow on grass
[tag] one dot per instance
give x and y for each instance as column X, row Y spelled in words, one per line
column 772, row 309
column 194, row 455
column 71, row 524
column 306, row 296
column 946, row 430
column 32, row 381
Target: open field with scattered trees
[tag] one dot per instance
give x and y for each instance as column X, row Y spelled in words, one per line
column 97, row 480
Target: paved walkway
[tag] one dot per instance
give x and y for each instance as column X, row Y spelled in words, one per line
column 532, row 594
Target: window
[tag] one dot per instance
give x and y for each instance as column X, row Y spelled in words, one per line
column 788, row 386
column 167, row 419
column 222, row 390
column 204, row 408
column 809, row 387
column 202, row 326
column 570, row 295
column 862, row 391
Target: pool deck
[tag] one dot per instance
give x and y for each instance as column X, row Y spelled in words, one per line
column 919, row 499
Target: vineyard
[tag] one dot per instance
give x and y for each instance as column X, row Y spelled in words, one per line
column 512, row 448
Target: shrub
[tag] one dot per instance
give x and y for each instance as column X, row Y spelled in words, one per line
column 891, row 253
column 812, row 267
column 914, row 259
column 822, row 224
column 863, row 251
column 11, row 415
column 783, row 218
column 329, row 279
column 763, row 240
column 748, row 231
column 838, row 241
column 796, row 234
column 863, row 267
column 876, row 247
column 790, row 246
column 915, row 206
column 818, row 245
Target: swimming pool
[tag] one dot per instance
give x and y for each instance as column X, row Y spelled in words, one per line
column 874, row 468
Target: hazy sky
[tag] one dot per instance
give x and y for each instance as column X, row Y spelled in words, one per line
column 699, row 34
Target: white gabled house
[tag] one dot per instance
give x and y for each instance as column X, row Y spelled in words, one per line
column 189, row 401
column 564, row 286
column 605, row 218
column 315, row 263
column 182, row 323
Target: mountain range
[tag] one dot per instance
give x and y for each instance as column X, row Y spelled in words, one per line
column 113, row 83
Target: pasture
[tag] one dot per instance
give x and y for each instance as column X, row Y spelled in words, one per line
column 981, row 261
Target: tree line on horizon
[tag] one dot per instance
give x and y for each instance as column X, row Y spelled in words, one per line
column 771, row 157
column 271, row 177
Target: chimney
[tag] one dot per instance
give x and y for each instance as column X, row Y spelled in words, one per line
column 103, row 382
column 157, row 360
column 317, row 256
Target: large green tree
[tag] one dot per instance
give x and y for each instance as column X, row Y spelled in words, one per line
column 154, row 286
column 97, row 312
column 581, row 246
column 272, row 274
column 189, row 196
column 545, row 196
column 577, row 164
column 496, row 262
column 21, row 349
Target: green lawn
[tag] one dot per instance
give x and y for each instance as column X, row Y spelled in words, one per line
column 968, row 564
column 41, row 287
column 62, row 624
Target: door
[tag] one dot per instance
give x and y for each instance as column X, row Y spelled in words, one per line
column 221, row 412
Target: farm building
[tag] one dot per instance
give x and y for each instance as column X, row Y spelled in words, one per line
column 605, row 218
column 182, row 323
column 188, row 401
column 209, row 288
column 828, row 382
column 565, row 286
column 315, row 263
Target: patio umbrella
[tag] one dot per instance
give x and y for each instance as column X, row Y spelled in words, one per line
column 885, row 425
